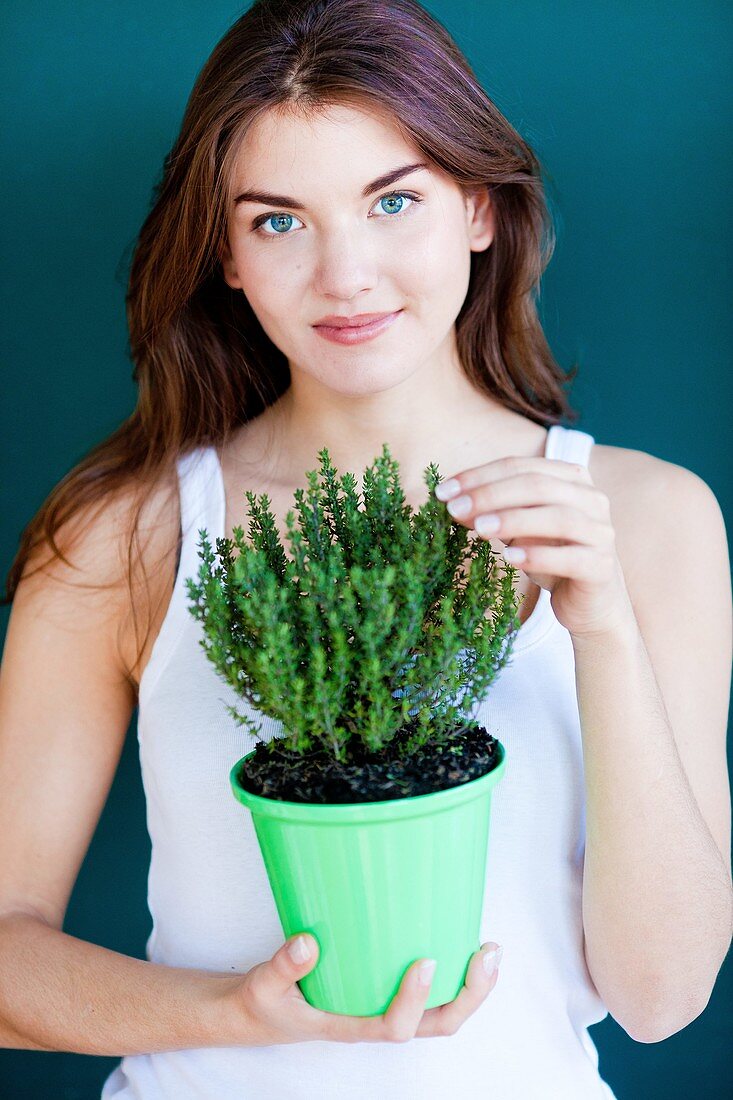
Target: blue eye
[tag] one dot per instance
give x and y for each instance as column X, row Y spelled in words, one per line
column 397, row 197
column 282, row 223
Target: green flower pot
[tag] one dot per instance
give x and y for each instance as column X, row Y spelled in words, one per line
column 379, row 885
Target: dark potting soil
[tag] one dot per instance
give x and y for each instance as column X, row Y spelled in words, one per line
column 283, row 775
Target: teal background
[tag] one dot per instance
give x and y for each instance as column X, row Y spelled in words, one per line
column 629, row 106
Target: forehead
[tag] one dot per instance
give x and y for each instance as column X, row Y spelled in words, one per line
column 287, row 142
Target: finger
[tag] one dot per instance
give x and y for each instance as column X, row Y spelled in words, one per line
column 291, row 962
column 402, row 1018
column 584, row 563
column 398, row 1024
column 516, row 464
column 557, row 521
column 275, row 983
column 528, row 490
column 446, row 1019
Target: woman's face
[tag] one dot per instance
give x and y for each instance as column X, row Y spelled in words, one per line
column 321, row 247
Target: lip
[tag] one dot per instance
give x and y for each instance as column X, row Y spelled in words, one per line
column 339, row 320
column 356, row 329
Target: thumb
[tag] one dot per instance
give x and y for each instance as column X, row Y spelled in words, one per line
column 296, row 957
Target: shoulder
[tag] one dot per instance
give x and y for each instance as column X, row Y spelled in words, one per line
column 109, row 561
column 118, row 564
column 142, row 518
column 653, row 500
column 90, row 542
column 635, row 481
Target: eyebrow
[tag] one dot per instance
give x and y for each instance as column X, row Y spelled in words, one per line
column 268, row 199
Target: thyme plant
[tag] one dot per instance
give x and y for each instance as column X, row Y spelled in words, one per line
column 385, row 619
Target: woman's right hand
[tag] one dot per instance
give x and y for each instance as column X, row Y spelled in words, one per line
column 266, row 1007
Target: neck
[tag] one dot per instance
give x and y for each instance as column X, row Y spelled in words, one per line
column 434, row 415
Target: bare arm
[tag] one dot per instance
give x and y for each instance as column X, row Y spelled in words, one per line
column 653, row 703
column 65, row 707
column 58, row 992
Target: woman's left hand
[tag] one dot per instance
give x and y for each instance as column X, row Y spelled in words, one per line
column 552, row 510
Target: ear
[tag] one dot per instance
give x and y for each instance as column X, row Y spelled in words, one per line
column 480, row 214
column 229, row 269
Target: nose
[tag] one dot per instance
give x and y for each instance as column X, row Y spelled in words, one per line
column 345, row 266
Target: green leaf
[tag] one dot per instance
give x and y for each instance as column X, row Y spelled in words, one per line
column 370, row 628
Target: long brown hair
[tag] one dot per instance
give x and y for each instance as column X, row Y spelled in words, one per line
column 202, row 362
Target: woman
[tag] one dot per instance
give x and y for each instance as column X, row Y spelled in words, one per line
column 339, row 160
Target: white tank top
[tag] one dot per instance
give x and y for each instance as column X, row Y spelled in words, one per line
column 212, row 907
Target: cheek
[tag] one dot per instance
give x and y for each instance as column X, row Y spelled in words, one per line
column 272, row 289
column 439, row 267
column 269, row 297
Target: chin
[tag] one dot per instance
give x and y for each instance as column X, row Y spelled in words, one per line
column 362, row 379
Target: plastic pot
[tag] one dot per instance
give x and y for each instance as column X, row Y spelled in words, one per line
column 379, row 885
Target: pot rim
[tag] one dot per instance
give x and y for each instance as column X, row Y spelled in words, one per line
column 356, row 812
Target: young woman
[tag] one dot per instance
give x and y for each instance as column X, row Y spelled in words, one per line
column 343, row 251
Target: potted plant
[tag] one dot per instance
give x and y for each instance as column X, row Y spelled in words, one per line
column 370, row 644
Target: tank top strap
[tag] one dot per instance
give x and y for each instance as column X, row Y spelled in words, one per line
column 201, row 505
column 569, row 445
column 198, row 485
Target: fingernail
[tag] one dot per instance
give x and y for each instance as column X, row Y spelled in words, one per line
column 514, row 554
column 425, row 972
column 447, row 489
column 299, row 950
column 487, row 525
column 492, row 959
column 459, row 507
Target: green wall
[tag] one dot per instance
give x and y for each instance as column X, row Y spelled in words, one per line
column 629, row 108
